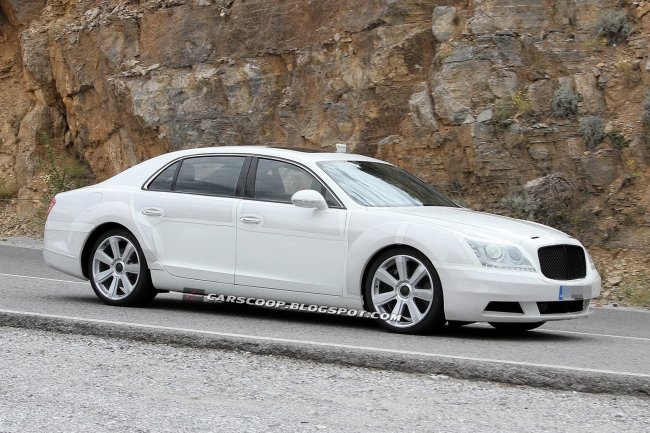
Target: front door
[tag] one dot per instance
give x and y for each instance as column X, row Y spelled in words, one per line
column 281, row 246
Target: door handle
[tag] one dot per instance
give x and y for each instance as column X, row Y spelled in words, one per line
column 152, row 211
column 250, row 220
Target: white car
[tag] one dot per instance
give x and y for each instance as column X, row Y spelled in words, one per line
column 332, row 229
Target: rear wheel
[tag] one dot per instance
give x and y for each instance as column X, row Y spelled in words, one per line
column 403, row 282
column 118, row 271
column 515, row 327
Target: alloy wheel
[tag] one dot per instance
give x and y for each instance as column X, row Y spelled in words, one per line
column 116, row 267
column 402, row 286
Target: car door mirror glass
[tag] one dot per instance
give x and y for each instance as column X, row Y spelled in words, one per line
column 308, row 198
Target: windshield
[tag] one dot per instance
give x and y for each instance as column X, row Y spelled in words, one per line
column 377, row 184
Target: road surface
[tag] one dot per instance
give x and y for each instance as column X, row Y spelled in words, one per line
column 605, row 353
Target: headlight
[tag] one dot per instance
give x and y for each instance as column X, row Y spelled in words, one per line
column 492, row 255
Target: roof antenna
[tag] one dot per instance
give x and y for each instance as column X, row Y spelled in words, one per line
column 341, row 148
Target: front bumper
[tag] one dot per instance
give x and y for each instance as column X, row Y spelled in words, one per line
column 468, row 291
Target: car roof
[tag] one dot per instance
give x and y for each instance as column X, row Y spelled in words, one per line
column 141, row 172
column 297, row 154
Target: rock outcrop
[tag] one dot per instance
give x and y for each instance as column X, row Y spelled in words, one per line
column 460, row 92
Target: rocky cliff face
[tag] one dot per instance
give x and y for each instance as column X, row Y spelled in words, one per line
column 460, row 92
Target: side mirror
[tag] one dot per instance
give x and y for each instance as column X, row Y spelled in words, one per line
column 308, row 198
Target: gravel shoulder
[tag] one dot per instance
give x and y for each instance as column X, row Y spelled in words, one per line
column 55, row 382
column 22, row 242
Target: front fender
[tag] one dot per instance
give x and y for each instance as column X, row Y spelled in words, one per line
column 442, row 246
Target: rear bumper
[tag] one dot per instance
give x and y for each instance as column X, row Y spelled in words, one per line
column 66, row 264
column 468, row 291
column 63, row 245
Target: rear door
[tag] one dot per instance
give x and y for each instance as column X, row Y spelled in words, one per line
column 187, row 216
column 282, row 246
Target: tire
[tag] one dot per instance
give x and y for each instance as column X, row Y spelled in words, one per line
column 515, row 328
column 455, row 324
column 403, row 281
column 118, row 271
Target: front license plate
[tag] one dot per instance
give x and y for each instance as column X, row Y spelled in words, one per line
column 569, row 293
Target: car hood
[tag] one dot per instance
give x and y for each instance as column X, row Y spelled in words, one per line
column 479, row 225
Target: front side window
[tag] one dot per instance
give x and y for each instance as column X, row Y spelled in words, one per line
column 279, row 181
column 377, row 184
column 210, row 175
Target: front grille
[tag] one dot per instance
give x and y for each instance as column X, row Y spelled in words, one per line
column 561, row 307
column 563, row 262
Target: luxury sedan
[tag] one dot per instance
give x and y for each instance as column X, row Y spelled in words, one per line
column 331, row 229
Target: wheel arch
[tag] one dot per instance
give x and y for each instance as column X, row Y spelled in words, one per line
column 92, row 237
column 371, row 261
column 440, row 246
column 435, row 316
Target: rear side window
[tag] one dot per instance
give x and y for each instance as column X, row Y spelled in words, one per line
column 165, row 180
column 210, row 175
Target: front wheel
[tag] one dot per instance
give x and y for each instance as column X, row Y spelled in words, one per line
column 118, row 271
column 515, row 327
column 455, row 324
column 404, row 284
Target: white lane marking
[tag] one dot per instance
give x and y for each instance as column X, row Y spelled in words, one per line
column 589, row 334
column 624, row 309
column 42, row 278
column 557, row 331
column 323, row 344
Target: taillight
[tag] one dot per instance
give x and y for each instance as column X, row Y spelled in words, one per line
column 52, row 203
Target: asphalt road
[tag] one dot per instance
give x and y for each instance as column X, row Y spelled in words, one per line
column 611, row 345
